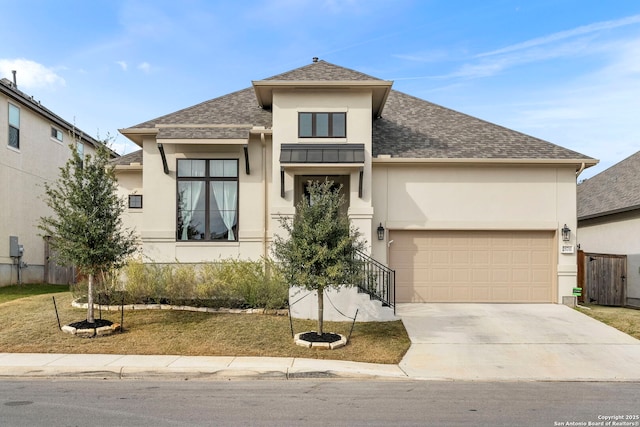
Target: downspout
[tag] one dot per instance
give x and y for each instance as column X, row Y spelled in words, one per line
column 265, row 212
column 582, row 167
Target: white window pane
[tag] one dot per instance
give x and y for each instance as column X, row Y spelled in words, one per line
column 305, row 124
column 216, row 168
column 322, row 124
column 338, row 120
column 230, row 168
column 191, row 167
column 14, row 116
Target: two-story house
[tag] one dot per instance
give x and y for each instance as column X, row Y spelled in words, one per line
column 463, row 210
column 35, row 144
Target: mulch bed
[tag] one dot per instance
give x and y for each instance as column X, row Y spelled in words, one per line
column 84, row 324
column 315, row 337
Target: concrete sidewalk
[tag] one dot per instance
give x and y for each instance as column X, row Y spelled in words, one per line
column 450, row 342
column 113, row 366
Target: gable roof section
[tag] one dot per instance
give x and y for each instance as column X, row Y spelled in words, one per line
column 128, row 159
column 323, row 71
column 614, row 190
column 410, row 128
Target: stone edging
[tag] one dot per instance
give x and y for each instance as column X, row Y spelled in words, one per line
column 280, row 312
column 328, row 345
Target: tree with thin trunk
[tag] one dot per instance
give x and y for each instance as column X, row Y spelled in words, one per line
column 86, row 227
column 318, row 253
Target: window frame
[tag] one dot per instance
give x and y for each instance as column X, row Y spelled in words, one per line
column 14, row 127
column 331, row 132
column 55, row 132
column 207, row 179
column 132, row 197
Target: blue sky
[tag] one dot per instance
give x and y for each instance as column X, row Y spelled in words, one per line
column 564, row 71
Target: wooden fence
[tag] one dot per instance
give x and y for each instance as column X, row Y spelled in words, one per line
column 54, row 273
column 602, row 278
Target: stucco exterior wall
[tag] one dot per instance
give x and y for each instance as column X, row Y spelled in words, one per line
column 491, row 197
column 158, row 229
column 357, row 104
column 617, row 235
column 23, row 173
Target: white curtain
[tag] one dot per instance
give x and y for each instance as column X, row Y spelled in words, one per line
column 191, row 196
column 226, row 195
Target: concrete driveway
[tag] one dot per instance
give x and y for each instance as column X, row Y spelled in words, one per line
column 513, row 342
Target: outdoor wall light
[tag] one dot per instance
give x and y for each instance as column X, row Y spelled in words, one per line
column 566, row 233
column 380, row 232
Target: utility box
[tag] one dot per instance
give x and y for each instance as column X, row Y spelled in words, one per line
column 15, row 249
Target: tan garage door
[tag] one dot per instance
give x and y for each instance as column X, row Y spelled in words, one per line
column 473, row 266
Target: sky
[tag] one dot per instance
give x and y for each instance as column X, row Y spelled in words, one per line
column 566, row 71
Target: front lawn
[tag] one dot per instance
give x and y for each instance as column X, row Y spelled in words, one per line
column 9, row 293
column 30, row 325
column 626, row 320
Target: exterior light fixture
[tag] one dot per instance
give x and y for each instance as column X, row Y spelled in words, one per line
column 380, row 232
column 566, row 233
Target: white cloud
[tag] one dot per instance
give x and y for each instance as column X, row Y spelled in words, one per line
column 579, row 31
column 30, row 74
column 123, row 65
column 144, row 66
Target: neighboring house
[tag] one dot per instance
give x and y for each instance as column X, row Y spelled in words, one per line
column 609, row 223
column 35, row 144
column 468, row 211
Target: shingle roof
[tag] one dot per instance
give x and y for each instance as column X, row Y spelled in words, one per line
column 127, row 159
column 232, row 109
column 410, row 127
column 322, row 71
column 415, row 128
column 616, row 189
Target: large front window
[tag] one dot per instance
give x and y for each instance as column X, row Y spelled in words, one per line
column 207, row 200
column 322, row 125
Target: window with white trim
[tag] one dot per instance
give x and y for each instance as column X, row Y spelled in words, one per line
column 14, row 126
column 56, row 134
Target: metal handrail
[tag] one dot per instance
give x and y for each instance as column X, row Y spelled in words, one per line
column 378, row 280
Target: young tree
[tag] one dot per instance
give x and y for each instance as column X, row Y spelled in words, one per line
column 319, row 251
column 86, row 227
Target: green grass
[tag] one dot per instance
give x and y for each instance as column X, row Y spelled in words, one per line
column 623, row 319
column 10, row 293
column 29, row 325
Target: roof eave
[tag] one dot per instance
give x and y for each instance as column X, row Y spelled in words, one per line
column 607, row 213
column 578, row 163
column 137, row 134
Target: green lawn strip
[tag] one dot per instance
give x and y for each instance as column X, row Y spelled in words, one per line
column 30, row 325
column 13, row 292
column 626, row 320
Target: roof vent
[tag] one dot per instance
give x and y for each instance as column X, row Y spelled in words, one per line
column 15, row 82
column 315, row 59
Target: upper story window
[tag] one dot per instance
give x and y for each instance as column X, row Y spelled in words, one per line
column 322, row 125
column 14, row 126
column 207, row 200
column 80, row 151
column 56, row 134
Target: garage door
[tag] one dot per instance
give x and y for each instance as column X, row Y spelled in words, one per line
column 473, row 266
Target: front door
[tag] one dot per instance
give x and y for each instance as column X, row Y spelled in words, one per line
column 302, row 184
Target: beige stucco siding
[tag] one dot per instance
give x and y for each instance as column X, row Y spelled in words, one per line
column 158, row 230
column 23, row 173
column 491, row 197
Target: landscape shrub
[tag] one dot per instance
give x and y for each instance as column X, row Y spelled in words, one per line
column 228, row 283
